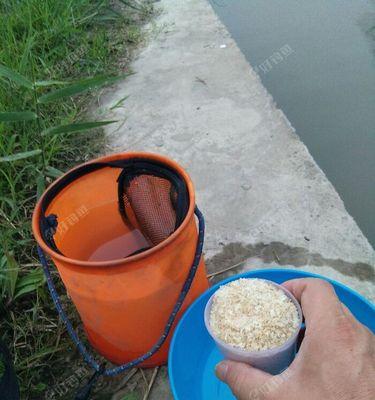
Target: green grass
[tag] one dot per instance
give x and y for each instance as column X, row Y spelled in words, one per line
column 47, row 40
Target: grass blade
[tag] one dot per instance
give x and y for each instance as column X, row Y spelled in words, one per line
column 17, row 78
column 53, row 172
column 20, row 156
column 84, row 126
column 119, row 103
column 34, row 277
column 78, row 88
column 40, row 354
column 17, row 116
column 12, row 273
column 50, row 83
column 29, row 283
column 40, row 185
column 25, row 290
column 29, row 44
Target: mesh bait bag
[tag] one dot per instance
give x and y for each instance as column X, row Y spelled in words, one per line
column 153, row 199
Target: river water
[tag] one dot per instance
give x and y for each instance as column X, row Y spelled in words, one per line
column 317, row 59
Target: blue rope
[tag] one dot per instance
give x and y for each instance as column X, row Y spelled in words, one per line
column 81, row 347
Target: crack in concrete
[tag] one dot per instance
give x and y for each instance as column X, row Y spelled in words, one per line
column 283, row 254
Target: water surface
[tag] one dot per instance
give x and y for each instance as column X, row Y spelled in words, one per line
column 317, row 60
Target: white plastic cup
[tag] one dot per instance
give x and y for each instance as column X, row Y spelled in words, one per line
column 274, row 360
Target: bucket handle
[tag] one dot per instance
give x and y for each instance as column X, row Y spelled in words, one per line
column 88, row 357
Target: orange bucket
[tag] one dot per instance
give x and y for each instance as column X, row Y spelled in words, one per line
column 124, row 296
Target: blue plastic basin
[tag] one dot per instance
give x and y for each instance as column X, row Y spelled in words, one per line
column 193, row 354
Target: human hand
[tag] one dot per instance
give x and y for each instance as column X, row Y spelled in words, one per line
column 336, row 360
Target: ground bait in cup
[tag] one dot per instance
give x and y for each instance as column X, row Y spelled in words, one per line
column 253, row 315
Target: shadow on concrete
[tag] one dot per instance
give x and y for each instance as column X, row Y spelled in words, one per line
column 282, row 254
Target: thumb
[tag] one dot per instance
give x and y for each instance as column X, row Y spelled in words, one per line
column 245, row 381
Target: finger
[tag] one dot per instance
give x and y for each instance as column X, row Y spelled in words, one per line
column 320, row 305
column 244, row 380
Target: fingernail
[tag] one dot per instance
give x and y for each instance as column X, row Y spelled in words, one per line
column 221, row 370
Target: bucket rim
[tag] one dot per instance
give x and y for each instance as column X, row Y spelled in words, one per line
column 119, row 261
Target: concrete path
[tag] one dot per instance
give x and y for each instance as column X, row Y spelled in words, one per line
column 195, row 98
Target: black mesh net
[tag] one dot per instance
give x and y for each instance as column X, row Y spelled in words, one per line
column 152, row 199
